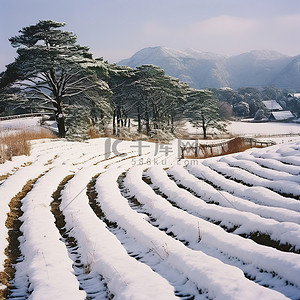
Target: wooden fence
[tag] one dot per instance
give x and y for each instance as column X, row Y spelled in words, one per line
column 238, row 144
column 24, row 116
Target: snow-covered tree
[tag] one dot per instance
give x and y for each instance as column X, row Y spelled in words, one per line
column 13, row 102
column 147, row 95
column 203, row 111
column 158, row 98
column 260, row 115
column 52, row 69
column 241, row 109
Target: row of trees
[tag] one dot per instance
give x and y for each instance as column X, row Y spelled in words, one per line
column 246, row 101
column 52, row 72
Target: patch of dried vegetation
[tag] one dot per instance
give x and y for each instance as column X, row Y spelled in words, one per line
column 17, row 143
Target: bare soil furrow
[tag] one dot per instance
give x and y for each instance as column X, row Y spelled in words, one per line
column 102, row 251
column 227, row 227
column 136, row 225
column 250, row 179
column 256, row 194
column 92, row 284
column 147, row 256
column 213, row 195
column 257, row 236
column 12, row 251
column 249, row 270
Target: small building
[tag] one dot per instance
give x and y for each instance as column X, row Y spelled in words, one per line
column 293, row 96
column 272, row 105
column 281, row 116
column 296, row 95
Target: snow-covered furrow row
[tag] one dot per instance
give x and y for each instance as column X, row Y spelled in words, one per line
column 258, row 275
column 79, row 153
column 210, row 195
column 257, row 194
column 187, row 227
column 10, row 167
column 202, row 269
column 43, row 158
column 101, row 251
column 287, row 156
column 269, row 163
column 40, row 147
column 45, row 161
column 42, row 243
column 183, row 288
column 94, row 148
column 256, row 169
column 245, row 222
column 93, row 286
column 12, row 186
column 290, row 150
column 234, row 173
column 15, row 288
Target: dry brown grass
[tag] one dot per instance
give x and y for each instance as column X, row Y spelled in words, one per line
column 93, row 133
column 204, row 151
column 236, row 145
column 17, row 143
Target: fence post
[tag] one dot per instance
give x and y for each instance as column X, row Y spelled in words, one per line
column 182, row 151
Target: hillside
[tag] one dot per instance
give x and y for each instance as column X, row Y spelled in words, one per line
column 206, row 70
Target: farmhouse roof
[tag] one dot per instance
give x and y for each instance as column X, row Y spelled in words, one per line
column 281, row 115
column 297, row 95
column 272, row 105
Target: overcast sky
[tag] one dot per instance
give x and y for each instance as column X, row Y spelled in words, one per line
column 116, row 29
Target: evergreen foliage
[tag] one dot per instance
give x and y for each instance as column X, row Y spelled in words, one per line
column 50, row 68
column 203, row 111
column 59, row 75
column 148, row 97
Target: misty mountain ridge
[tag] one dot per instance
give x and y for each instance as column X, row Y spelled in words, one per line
column 257, row 68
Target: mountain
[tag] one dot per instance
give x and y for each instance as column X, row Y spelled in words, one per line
column 256, row 68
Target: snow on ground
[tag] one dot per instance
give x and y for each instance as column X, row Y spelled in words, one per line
column 132, row 221
column 21, row 123
column 268, row 128
column 278, row 132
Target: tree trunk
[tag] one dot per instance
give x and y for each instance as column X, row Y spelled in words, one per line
column 155, row 116
column 61, row 126
column 147, row 121
column 118, row 118
column 139, row 119
column 114, row 122
column 60, row 121
column 172, row 125
column 204, row 128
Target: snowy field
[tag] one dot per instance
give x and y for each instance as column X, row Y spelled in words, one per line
column 277, row 132
column 20, row 124
column 268, row 128
column 110, row 219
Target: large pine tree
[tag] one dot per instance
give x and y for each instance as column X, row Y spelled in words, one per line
column 51, row 68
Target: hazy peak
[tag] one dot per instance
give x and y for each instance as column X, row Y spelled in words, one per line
column 255, row 68
column 265, row 54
